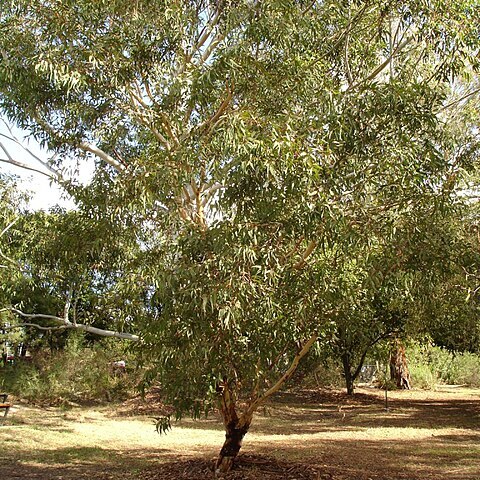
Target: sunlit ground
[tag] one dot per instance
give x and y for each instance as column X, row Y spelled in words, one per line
column 423, row 435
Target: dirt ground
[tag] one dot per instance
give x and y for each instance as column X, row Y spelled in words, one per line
column 307, row 435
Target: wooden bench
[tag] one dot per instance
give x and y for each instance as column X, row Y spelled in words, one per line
column 4, row 405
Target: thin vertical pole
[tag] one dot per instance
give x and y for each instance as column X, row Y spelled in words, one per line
column 386, row 386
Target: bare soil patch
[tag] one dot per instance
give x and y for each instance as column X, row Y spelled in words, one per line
column 306, row 435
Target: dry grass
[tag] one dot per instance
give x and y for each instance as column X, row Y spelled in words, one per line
column 316, row 435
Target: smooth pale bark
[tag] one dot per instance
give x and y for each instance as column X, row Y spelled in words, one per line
column 65, row 323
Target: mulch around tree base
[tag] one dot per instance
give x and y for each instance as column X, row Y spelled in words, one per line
column 247, row 467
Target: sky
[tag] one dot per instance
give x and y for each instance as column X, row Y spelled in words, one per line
column 44, row 193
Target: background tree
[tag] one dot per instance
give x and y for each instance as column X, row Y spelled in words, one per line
column 11, row 207
column 70, row 267
column 242, row 143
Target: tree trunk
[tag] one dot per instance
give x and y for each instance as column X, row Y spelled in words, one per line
column 233, row 442
column 347, row 373
column 398, row 367
column 235, row 429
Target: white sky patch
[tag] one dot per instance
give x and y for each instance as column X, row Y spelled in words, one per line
column 44, row 192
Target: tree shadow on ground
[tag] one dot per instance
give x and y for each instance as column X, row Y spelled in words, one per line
column 315, row 412
column 151, row 465
column 344, row 452
column 311, row 412
column 308, row 460
column 426, row 459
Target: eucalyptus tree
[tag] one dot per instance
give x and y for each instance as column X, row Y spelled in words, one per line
column 11, row 206
column 244, row 142
column 450, row 314
column 70, row 268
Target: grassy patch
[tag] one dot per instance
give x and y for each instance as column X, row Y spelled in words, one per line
column 424, row 435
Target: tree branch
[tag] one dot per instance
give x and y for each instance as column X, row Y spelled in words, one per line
column 54, row 174
column 204, row 35
column 365, row 352
column 9, row 226
column 211, row 48
column 382, row 66
column 458, row 100
column 208, row 192
column 18, row 164
column 286, row 376
column 87, row 147
column 26, row 167
column 210, row 122
column 65, row 323
column 5, row 257
column 28, row 324
column 11, row 261
column 308, row 251
column 347, row 62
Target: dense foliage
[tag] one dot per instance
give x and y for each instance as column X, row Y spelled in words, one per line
column 269, row 159
column 79, row 372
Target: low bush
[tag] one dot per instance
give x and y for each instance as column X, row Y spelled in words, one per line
column 422, row 376
column 430, row 365
column 78, row 373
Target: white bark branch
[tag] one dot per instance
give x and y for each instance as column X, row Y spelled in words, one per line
column 206, row 33
column 87, row 147
column 54, row 173
column 9, row 226
column 204, row 36
column 209, row 192
column 210, row 49
column 5, row 257
column 26, row 167
column 28, row 324
column 382, row 66
column 65, row 323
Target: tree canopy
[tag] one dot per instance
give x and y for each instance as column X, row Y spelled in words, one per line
column 253, row 150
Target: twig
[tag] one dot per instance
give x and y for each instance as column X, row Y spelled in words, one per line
column 458, row 100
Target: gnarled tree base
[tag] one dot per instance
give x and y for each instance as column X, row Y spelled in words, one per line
column 233, row 442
